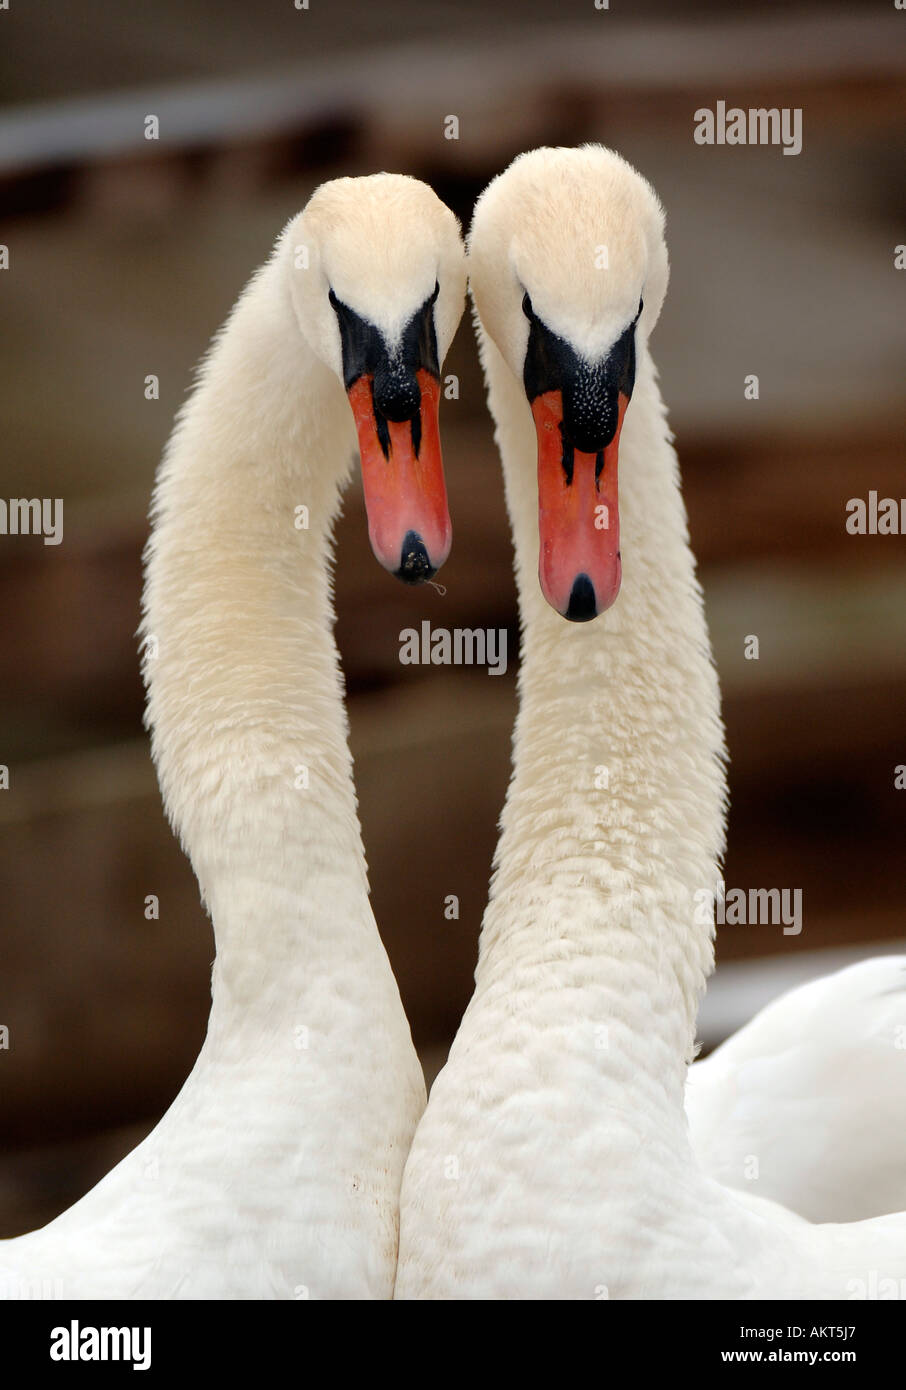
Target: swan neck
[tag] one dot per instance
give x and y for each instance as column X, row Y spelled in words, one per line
column 613, row 825
column 245, row 696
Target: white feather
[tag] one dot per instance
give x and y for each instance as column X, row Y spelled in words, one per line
column 807, row 1103
column 275, row 1173
column 553, row 1159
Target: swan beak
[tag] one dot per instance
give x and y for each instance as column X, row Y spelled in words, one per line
column 578, row 407
column 579, row 563
column 403, row 478
column 394, row 391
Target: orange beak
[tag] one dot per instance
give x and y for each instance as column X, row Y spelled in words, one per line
column 403, row 478
column 579, row 562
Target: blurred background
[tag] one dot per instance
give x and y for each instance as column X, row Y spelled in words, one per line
column 126, row 254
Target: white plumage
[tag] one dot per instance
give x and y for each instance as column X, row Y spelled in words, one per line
column 807, row 1103
column 553, row 1160
column 275, row 1173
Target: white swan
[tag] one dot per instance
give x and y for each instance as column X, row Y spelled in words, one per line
column 553, row 1160
column 275, row 1173
column 807, row 1103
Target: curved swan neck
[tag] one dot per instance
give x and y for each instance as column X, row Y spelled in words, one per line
column 245, row 698
column 614, row 818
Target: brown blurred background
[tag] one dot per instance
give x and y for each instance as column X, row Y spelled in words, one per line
column 126, row 254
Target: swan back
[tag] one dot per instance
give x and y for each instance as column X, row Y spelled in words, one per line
column 810, row 1097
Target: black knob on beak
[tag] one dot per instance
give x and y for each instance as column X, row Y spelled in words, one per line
column 583, row 605
column 396, row 390
column 415, row 567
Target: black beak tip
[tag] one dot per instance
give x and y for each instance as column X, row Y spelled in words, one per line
column 415, row 567
column 583, row 606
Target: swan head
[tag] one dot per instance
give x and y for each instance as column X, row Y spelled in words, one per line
column 378, row 286
column 568, row 272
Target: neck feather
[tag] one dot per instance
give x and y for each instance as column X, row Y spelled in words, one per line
column 614, row 819
column 245, row 698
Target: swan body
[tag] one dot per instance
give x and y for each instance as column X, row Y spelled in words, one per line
column 807, row 1103
column 275, row 1173
column 553, row 1160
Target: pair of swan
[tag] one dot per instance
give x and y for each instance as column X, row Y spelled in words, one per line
column 553, row 1159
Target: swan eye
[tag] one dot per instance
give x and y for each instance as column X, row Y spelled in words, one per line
column 332, row 299
column 527, row 307
column 433, row 299
column 639, row 314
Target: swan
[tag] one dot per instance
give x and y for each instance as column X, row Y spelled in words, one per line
column 553, row 1159
column 806, row 1103
column 275, row 1173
